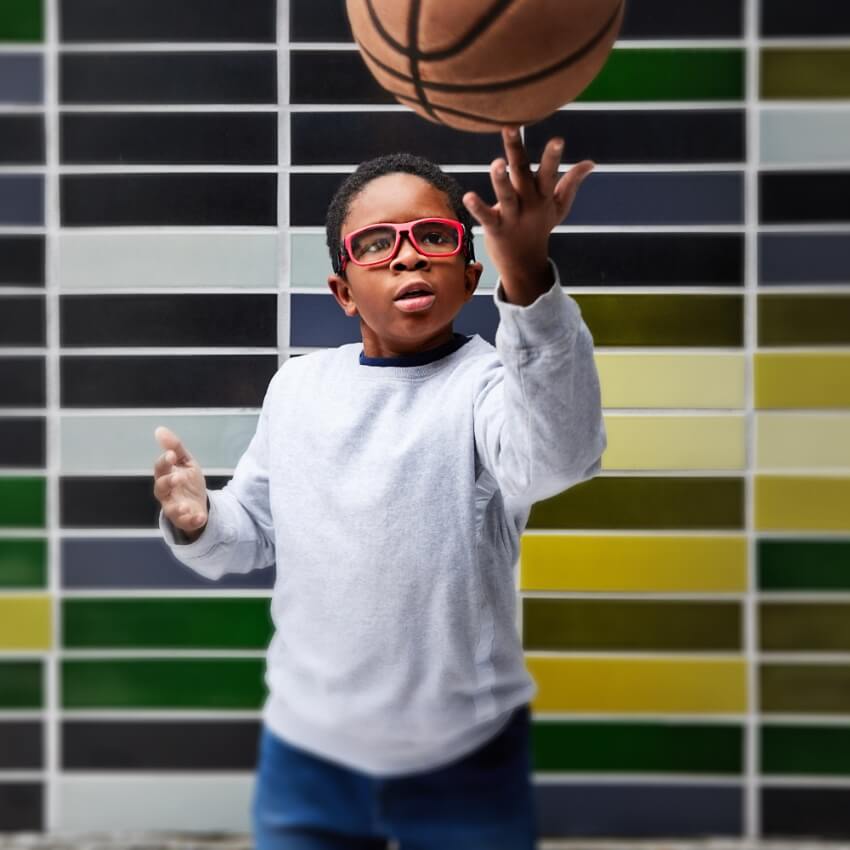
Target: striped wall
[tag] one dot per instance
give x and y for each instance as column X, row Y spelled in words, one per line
column 165, row 166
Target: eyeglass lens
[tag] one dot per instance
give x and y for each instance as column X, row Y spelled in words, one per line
column 430, row 237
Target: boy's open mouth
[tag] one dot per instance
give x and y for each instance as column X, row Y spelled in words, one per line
column 412, row 302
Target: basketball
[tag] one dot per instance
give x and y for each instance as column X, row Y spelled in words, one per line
column 480, row 64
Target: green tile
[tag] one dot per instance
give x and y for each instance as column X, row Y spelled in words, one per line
column 592, row 747
column 804, row 320
column 166, row 623
column 659, row 320
column 637, row 625
column 805, row 688
column 21, row 20
column 804, row 626
column 644, row 503
column 803, row 564
column 800, row 750
column 21, row 684
column 803, row 73
column 214, row 683
column 22, row 502
column 669, row 74
column 23, row 563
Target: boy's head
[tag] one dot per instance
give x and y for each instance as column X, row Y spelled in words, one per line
column 434, row 256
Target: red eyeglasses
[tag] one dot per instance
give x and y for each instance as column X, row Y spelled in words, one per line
column 379, row 243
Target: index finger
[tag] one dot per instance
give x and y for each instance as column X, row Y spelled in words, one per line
column 520, row 167
column 169, row 440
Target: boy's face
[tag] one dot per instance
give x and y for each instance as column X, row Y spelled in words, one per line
column 369, row 292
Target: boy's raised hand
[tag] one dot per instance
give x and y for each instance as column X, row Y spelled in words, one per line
column 179, row 485
column 528, row 205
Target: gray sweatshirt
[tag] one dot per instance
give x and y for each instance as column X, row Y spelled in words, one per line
column 392, row 499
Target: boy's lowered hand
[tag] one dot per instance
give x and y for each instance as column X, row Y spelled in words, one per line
column 528, row 205
column 179, row 485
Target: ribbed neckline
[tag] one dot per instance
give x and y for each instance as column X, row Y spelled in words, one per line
column 418, row 358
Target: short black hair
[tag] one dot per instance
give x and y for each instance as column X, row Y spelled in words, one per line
column 394, row 163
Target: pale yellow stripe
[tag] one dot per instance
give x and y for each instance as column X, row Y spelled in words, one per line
column 588, row 564
column 639, row 685
column 802, row 380
column 803, row 441
column 675, row 442
column 671, row 380
column 25, row 622
column 802, row 503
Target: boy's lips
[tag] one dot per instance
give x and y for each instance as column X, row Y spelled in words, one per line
column 414, row 305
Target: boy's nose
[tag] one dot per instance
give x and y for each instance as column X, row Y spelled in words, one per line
column 408, row 257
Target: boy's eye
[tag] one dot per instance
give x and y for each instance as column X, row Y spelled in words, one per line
column 434, row 237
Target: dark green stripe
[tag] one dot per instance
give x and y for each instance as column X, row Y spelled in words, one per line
column 804, row 319
column 636, row 747
column 803, row 564
column 582, row 624
column 804, row 627
column 20, row 684
column 214, row 683
column 166, row 623
column 644, row 503
column 691, row 320
column 805, row 688
column 23, row 563
column 804, row 749
column 21, row 20
column 788, row 72
column 669, row 74
column 22, row 503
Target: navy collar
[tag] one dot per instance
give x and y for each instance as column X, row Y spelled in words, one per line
column 418, row 358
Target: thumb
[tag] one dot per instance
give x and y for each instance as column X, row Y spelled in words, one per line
column 168, row 440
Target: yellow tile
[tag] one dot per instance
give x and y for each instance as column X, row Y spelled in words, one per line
column 802, row 380
column 633, row 564
column 671, row 380
column 803, row 441
column 802, row 503
column 675, row 442
column 25, row 623
column 639, row 685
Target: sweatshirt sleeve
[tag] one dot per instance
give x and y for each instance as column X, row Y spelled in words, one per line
column 538, row 413
column 239, row 535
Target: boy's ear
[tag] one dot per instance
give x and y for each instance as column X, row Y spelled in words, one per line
column 472, row 274
column 342, row 292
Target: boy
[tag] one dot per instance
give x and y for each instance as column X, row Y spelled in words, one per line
column 391, row 485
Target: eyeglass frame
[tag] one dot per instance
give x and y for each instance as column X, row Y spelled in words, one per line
column 405, row 227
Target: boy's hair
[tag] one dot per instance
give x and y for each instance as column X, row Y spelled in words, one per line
column 394, row 163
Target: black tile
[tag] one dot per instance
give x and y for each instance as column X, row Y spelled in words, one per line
column 815, row 17
column 333, row 76
column 222, row 380
column 168, row 320
column 819, row 813
column 114, row 200
column 22, row 443
column 21, row 140
column 160, row 745
column 646, row 136
column 22, row 382
column 21, row 807
column 114, row 502
column 22, row 260
column 799, row 197
column 325, row 20
column 21, row 745
column 164, row 20
column 247, row 138
column 350, row 137
column 22, row 320
column 649, row 259
column 198, row 77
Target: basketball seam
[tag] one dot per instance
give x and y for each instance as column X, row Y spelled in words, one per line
column 412, row 55
column 450, row 110
column 500, row 85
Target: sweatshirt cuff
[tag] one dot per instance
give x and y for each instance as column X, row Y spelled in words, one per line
column 552, row 318
column 210, row 537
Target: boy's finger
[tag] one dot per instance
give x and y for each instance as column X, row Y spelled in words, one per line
column 163, row 465
column 162, row 487
column 547, row 174
column 481, row 211
column 518, row 161
column 505, row 193
column 169, row 440
column 568, row 185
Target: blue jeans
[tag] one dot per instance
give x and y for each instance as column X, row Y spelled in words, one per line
column 482, row 801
